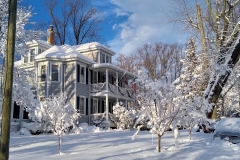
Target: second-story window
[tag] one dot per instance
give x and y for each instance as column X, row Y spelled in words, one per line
column 95, row 77
column 54, row 73
column 32, row 55
column 108, row 59
column 81, row 74
column 102, row 57
column 43, row 72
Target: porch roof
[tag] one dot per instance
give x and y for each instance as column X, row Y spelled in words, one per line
column 113, row 67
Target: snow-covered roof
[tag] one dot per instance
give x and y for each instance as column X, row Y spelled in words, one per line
column 18, row 63
column 62, row 52
column 111, row 66
column 93, row 45
column 39, row 42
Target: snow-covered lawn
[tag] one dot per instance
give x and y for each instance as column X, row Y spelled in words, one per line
column 118, row 145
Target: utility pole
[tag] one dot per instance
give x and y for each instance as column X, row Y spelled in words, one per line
column 8, row 81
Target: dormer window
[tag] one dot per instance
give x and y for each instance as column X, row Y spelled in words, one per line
column 40, row 51
column 32, row 55
column 25, row 59
column 104, row 58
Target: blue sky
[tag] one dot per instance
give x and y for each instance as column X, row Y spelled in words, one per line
column 128, row 23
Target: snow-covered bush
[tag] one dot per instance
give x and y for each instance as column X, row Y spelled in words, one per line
column 126, row 117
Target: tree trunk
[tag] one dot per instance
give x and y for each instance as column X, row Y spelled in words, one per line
column 201, row 28
column 159, row 143
column 8, row 81
column 189, row 133
column 215, row 85
column 59, row 144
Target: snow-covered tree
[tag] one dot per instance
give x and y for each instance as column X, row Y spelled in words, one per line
column 59, row 113
column 22, row 35
column 158, row 103
column 21, row 89
column 189, row 86
column 126, row 117
column 22, row 93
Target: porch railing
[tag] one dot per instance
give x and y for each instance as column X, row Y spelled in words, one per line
column 98, row 87
column 127, row 92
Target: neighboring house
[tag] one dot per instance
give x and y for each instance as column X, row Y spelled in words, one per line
column 84, row 72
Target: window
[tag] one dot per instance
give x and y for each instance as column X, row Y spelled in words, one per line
column 40, row 51
column 81, row 75
column 16, row 110
column 105, row 58
column 102, row 58
column 25, row 114
column 95, row 77
column 81, row 105
column 43, row 72
column 95, row 106
column 55, row 73
column 32, row 55
column 25, row 59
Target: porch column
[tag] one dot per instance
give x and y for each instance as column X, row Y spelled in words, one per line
column 107, row 80
column 107, row 109
column 47, row 79
column 89, row 97
column 117, row 82
column 117, row 100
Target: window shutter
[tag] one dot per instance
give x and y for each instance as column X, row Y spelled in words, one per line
column 91, row 108
column 99, row 77
column 86, row 106
column 86, row 75
column 99, row 106
column 102, row 106
column 78, row 73
column 91, row 76
column 78, row 107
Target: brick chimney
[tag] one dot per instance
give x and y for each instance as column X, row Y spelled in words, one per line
column 51, row 33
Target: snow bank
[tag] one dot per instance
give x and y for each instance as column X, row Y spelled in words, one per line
column 34, row 127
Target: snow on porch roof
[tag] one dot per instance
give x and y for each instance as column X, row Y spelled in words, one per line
column 93, row 45
column 63, row 52
column 111, row 66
